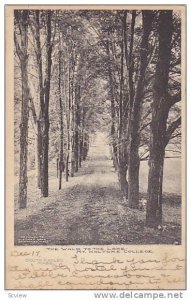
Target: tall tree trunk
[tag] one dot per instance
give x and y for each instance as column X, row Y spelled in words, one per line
column 160, row 110
column 122, row 141
column 134, row 122
column 68, row 121
column 68, row 138
column 77, row 125
column 72, row 111
column 44, row 158
column 41, row 97
column 68, row 146
column 39, row 153
column 45, row 114
column 130, row 61
column 22, row 52
column 81, row 142
column 122, row 177
column 81, row 146
column 155, row 179
column 113, row 113
column 72, row 157
column 80, row 151
column 61, row 158
column 133, row 178
column 67, row 168
column 76, row 151
column 23, row 179
column 85, row 145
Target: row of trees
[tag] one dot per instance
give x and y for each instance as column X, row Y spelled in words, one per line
column 142, row 55
column 50, row 53
column 88, row 64
column 145, row 88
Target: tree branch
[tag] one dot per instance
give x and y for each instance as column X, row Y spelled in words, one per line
column 176, row 135
column 171, row 128
column 144, row 126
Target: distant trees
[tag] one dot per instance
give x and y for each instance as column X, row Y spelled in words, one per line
column 74, row 80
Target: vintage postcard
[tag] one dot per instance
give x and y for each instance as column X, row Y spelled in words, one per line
column 95, row 147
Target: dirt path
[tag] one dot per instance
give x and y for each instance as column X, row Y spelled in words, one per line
column 89, row 210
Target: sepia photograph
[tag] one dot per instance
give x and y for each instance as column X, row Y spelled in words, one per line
column 97, row 127
column 95, row 147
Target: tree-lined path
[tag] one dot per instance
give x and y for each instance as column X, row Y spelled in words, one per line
column 97, row 126
column 91, row 210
